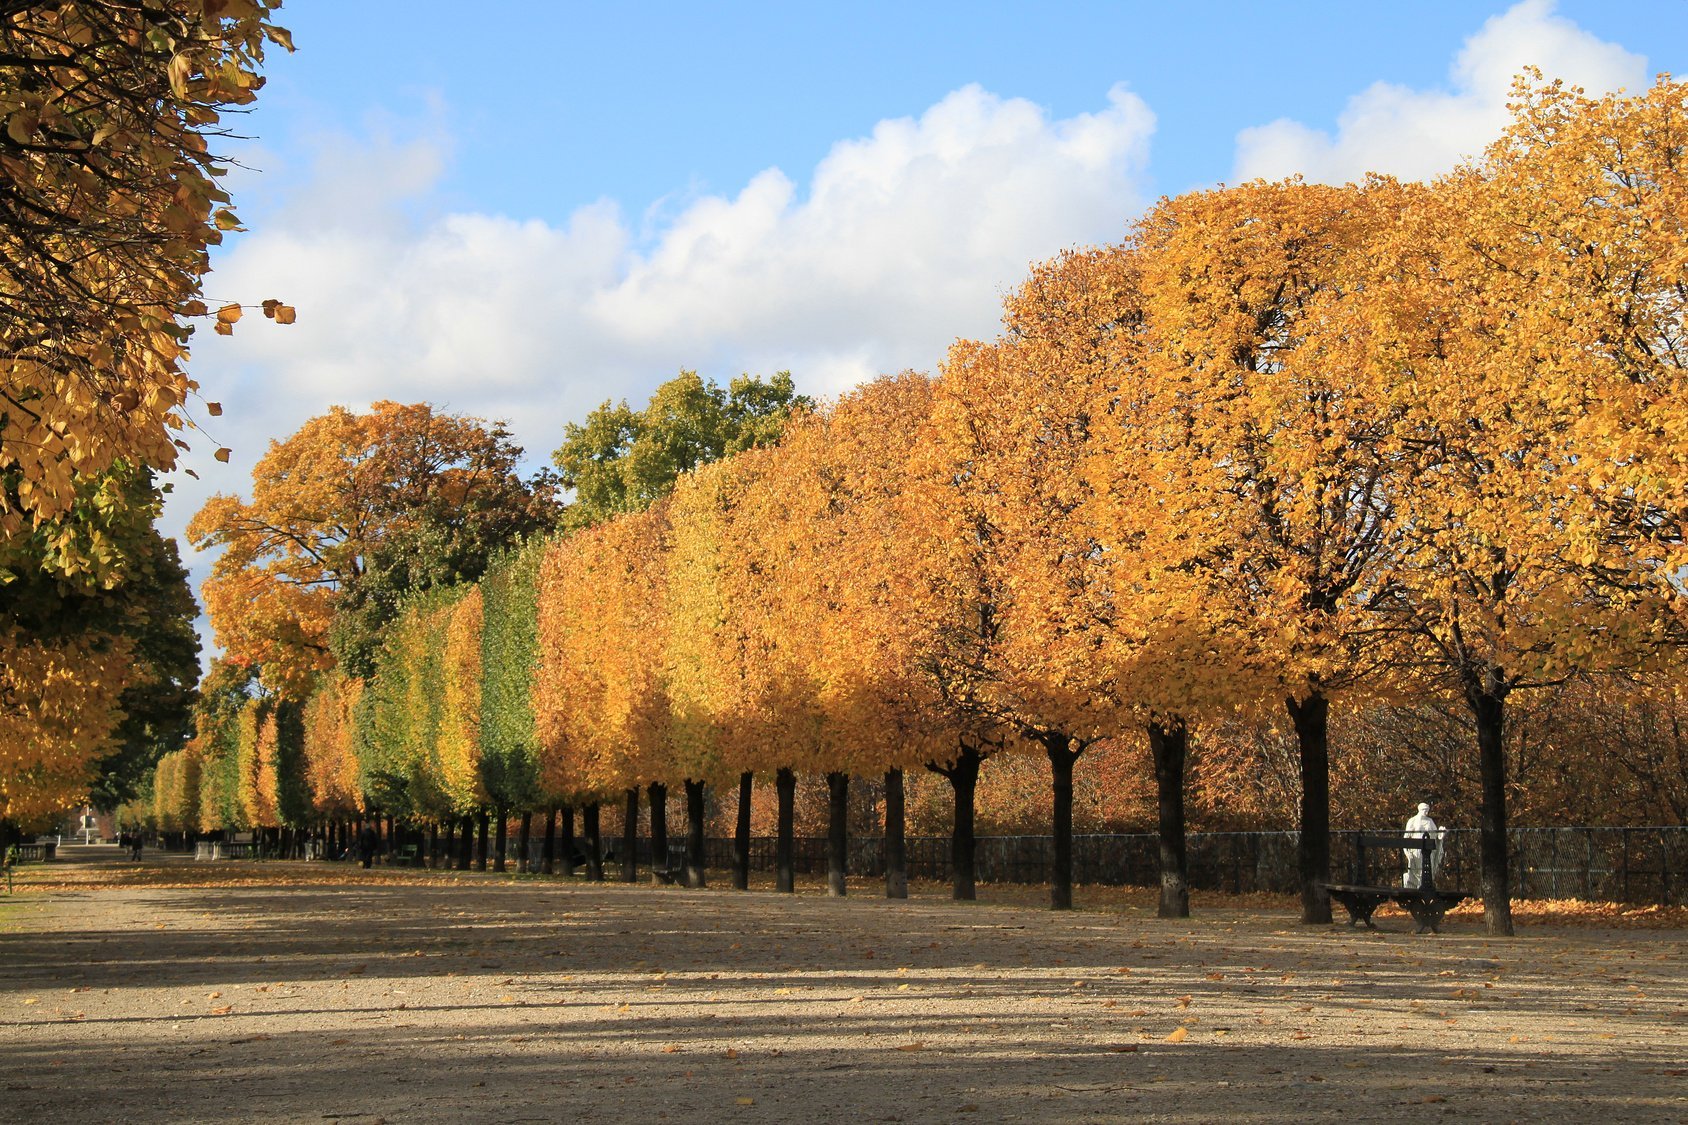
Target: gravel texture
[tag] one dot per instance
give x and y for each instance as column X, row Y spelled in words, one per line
column 291, row 992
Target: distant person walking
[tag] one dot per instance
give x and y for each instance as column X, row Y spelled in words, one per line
column 135, row 845
column 368, row 842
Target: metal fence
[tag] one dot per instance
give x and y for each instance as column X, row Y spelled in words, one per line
column 1639, row 865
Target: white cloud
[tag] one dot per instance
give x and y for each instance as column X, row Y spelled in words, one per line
column 902, row 241
column 1416, row 134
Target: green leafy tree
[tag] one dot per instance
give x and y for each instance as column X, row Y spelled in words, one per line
column 620, row 460
column 509, row 649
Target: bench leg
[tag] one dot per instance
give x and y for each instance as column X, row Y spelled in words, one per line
column 1359, row 910
column 1428, row 915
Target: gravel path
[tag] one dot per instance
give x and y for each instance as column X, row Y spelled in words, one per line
column 315, row 993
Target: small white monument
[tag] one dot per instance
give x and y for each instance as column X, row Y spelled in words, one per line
column 1422, row 827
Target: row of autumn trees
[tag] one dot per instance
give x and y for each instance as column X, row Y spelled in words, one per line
column 1287, row 446
column 109, row 200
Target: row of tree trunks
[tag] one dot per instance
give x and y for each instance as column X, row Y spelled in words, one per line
column 694, row 833
column 548, row 856
column 837, row 834
column 896, row 837
column 962, row 773
column 594, row 844
column 785, row 859
column 565, row 844
column 630, row 836
column 1485, row 694
column 1311, row 718
column 1062, row 752
column 657, row 795
column 1168, row 740
column 741, row 834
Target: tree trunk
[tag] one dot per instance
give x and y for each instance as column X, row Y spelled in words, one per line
column 694, row 833
column 741, row 833
column 1488, row 707
column 594, row 843
column 433, row 845
column 837, row 833
column 501, row 840
column 548, row 851
column 448, row 849
column 524, row 840
column 963, row 775
column 466, row 844
column 896, row 837
column 630, row 837
column 1168, row 743
column 657, row 795
column 1311, row 717
column 1058, row 746
column 480, row 858
column 785, row 869
column 565, row 844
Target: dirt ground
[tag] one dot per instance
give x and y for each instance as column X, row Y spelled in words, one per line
column 291, row 992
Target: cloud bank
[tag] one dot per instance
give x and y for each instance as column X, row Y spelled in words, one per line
column 1416, row 134
column 899, row 242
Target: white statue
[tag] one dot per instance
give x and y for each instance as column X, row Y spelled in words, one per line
column 1422, row 827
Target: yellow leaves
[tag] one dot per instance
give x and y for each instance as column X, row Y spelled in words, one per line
column 59, row 715
column 1178, row 1035
column 222, row 455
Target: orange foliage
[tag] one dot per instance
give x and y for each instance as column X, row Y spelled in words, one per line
column 59, row 710
column 322, row 502
column 331, row 765
column 460, row 716
column 600, row 699
column 114, row 200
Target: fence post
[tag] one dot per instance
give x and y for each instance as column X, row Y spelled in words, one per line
column 1664, row 870
column 1623, row 863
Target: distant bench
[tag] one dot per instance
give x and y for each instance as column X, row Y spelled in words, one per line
column 1426, row 904
column 35, row 853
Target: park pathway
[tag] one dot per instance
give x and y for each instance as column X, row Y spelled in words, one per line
column 268, row 992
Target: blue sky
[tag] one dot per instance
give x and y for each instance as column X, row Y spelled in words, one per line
column 555, row 105
column 519, row 211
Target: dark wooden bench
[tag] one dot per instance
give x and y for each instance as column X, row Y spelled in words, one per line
column 1427, row 903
